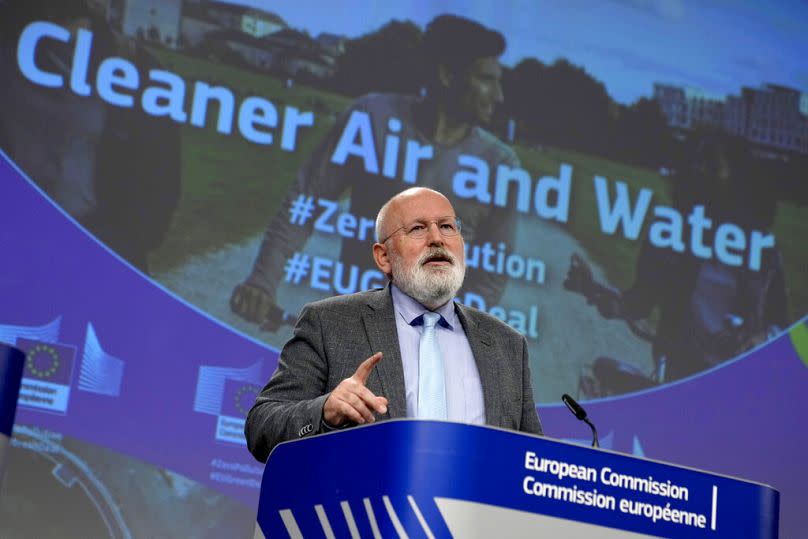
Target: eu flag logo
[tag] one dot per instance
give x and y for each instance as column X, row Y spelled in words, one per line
column 47, row 362
column 47, row 374
column 238, row 398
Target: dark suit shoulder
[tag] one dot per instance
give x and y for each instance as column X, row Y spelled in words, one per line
column 487, row 322
column 354, row 300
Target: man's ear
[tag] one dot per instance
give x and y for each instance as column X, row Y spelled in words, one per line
column 445, row 76
column 381, row 258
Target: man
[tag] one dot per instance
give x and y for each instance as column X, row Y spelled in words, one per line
column 463, row 91
column 371, row 355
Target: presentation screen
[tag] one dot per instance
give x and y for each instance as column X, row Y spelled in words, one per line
column 180, row 177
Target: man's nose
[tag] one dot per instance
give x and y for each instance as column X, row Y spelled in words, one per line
column 433, row 234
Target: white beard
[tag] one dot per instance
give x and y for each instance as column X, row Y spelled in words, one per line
column 430, row 286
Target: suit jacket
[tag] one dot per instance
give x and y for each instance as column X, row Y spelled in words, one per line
column 333, row 336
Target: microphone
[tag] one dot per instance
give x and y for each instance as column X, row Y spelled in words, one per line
column 579, row 412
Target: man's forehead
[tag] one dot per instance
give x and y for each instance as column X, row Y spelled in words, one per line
column 423, row 205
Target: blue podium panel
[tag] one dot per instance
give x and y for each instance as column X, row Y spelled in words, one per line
column 440, row 479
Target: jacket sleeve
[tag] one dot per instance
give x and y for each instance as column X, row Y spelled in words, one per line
column 291, row 404
column 530, row 417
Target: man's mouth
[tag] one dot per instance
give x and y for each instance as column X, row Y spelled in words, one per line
column 438, row 259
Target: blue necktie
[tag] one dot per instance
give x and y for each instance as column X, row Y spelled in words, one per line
column 431, row 377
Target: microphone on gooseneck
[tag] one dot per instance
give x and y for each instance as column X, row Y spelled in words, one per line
column 579, row 412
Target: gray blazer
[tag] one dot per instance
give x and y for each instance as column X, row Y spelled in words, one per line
column 333, row 336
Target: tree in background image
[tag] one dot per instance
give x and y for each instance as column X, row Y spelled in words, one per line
column 643, row 136
column 562, row 105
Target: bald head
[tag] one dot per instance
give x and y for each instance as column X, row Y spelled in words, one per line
column 419, row 246
column 390, row 216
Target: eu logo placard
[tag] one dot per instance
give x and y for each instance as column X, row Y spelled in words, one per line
column 237, row 400
column 228, row 393
column 47, row 374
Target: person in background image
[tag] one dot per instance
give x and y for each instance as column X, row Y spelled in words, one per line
column 463, row 89
column 115, row 170
column 708, row 311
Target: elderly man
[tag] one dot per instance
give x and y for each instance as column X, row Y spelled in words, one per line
column 404, row 351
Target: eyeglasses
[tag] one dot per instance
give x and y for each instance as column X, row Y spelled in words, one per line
column 448, row 226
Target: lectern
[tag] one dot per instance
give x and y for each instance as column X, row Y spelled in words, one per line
column 411, row 478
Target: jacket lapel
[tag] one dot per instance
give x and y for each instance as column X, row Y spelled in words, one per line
column 482, row 346
column 380, row 326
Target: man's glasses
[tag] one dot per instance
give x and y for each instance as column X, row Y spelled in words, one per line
column 448, row 226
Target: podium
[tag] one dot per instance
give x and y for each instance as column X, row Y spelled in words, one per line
column 413, row 478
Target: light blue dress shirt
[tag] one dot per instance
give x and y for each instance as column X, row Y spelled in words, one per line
column 464, row 392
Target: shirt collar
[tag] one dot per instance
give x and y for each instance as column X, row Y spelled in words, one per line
column 409, row 309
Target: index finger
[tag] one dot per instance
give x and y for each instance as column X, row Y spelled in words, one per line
column 365, row 368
